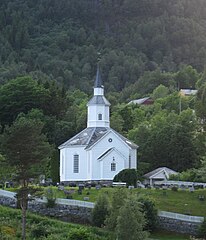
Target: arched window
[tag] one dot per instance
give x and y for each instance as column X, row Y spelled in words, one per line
column 99, row 116
column 76, row 163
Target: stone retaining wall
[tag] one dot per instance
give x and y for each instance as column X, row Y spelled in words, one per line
column 178, row 226
column 83, row 215
column 66, row 213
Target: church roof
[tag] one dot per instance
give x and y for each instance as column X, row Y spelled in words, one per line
column 90, row 136
column 98, row 80
column 98, row 99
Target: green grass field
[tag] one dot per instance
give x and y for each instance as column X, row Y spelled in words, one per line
column 39, row 227
column 162, row 235
column 184, row 202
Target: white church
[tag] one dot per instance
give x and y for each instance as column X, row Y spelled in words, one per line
column 98, row 152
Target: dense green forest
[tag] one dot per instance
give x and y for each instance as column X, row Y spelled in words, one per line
column 61, row 40
column 49, row 50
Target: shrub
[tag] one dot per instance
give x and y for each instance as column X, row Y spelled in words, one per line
column 51, row 198
column 7, row 231
column 131, row 221
column 39, row 231
column 174, row 188
column 150, row 212
column 100, row 211
column 79, row 234
column 127, row 175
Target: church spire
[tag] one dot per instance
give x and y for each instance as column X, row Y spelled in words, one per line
column 98, row 105
column 98, row 80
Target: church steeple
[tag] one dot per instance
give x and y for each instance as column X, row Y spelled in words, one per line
column 98, row 80
column 98, row 106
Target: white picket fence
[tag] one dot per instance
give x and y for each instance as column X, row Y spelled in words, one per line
column 71, row 202
column 182, row 217
column 7, row 194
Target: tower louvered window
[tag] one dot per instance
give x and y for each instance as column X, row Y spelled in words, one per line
column 99, row 116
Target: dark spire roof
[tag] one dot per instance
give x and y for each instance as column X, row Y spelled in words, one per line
column 98, row 80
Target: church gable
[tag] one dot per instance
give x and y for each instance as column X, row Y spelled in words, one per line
column 111, row 163
column 109, row 152
column 111, row 135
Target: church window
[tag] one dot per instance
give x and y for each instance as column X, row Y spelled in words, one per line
column 130, row 162
column 76, row 163
column 113, row 166
column 99, row 116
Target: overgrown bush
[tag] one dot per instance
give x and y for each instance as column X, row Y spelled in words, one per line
column 174, row 188
column 51, row 198
column 79, row 234
column 7, row 232
column 39, row 231
column 150, row 212
column 100, row 211
column 127, row 175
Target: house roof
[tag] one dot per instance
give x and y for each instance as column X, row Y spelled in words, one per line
column 89, row 136
column 141, row 100
column 188, row 92
column 158, row 170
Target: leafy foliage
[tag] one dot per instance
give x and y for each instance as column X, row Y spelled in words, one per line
column 131, row 221
column 127, row 175
column 117, row 201
column 26, row 149
column 100, row 211
column 150, row 212
column 61, row 40
column 45, row 228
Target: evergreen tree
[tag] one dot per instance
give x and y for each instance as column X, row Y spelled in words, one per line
column 131, row 221
column 100, row 211
column 26, row 150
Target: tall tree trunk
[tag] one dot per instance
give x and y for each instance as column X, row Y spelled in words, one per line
column 24, row 206
column 24, row 203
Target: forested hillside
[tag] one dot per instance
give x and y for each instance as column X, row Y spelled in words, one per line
column 52, row 39
column 49, row 51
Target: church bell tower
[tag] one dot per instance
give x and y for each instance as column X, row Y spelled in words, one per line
column 98, row 106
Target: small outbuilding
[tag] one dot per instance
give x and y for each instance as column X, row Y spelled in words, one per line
column 142, row 101
column 159, row 174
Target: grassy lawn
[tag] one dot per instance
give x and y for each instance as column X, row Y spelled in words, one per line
column 184, row 202
column 39, row 227
column 163, row 235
